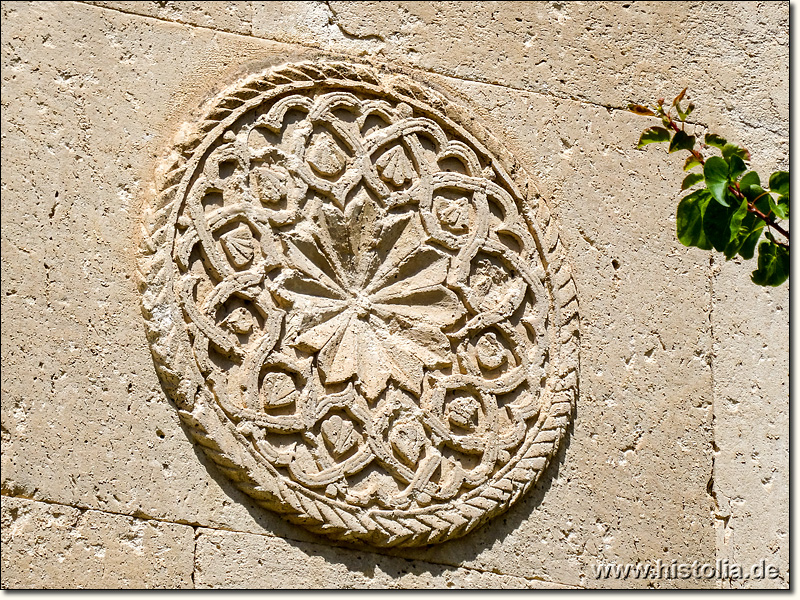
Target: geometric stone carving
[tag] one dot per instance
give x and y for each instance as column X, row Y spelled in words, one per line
column 361, row 316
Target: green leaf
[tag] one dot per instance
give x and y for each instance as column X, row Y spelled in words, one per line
column 784, row 202
column 691, row 162
column 749, row 246
column 751, row 222
column 712, row 139
column 780, row 209
column 779, row 182
column 690, row 180
column 689, row 219
column 715, row 172
column 679, row 97
column 729, row 150
column 773, row 265
column 717, row 225
column 751, row 192
column 744, row 242
column 762, row 203
column 750, row 178
column 736, row 218
column 735, row 245
column 737, row 167
column 681, row 114
column 681, row 141
column 652, row 135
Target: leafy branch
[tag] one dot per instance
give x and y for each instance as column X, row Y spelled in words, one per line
column 730, row 210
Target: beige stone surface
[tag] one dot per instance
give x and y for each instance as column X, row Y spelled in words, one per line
column 684, row 364
column 48, row 546
column 234, row 17
column 751, row 433
column 238, row 560
column 607, row 53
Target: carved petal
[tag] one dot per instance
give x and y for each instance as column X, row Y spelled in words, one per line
column 400, row 359
column 340, row 435
column 395, row 166
column 306, row 257
column 316, row 337
column 269, row 185
column 325, row 155
column 408, row 438
column 239, row 246
column 375, row 366
column 453, row 214
column 430, row 269
column 427, row 343
column 436, row 305
column 338, row 360
column 406, row 244
column 278, row 389
column 415, row 290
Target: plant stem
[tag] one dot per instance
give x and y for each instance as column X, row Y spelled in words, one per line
column 769, row 220
column 694, row 152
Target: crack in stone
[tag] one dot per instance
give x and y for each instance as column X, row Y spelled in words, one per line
column 334, row 19
column 194, row 556
column 342, row 54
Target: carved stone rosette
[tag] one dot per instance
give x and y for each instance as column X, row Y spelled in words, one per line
column 362, row 316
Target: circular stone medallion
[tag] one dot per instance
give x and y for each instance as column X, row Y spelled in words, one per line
column 361, row 316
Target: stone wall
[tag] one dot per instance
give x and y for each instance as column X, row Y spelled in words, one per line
column 678, row 443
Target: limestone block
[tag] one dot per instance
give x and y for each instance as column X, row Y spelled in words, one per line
column 607, row 53
column 237, row 560
column 55, row 546
column 751, row 410
column 612, row 492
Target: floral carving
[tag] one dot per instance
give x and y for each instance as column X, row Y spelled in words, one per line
column 372, row 308
column 378, row 333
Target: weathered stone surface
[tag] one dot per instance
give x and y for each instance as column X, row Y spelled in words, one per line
column 91, row 98
column 239, row 560
column 55, row 546
column 607, row 53
column 234, row 17
column 751, row 433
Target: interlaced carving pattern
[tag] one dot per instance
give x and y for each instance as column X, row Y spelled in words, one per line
column 360, row 322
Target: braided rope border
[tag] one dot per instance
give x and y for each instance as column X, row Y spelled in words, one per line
column 228, row 449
